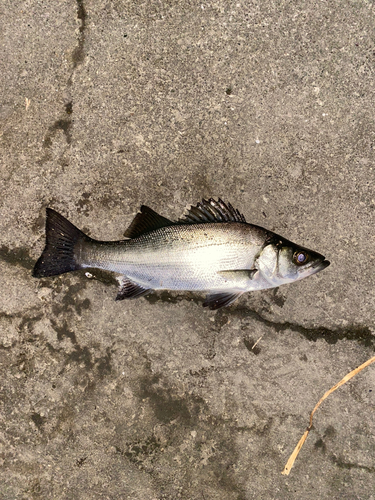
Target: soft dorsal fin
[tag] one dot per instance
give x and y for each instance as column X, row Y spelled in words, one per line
column 211, row 211
column 145, row 221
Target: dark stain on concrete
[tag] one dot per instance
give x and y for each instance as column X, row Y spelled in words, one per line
column 84, row 204
column 277, row 297
column 25, row 363
column 78, row 54
column 188, row 422
column 103, row 364
column 64, row 124
column 79, row 355
column 39, row 223
column 170, row 298
column 69, row 108
column 221, row 319
column 250, row 345
column 166, row 406
column 64, row 332
column 330, row 432
column 81, row 461
column 38, row 420
column 340, row 462
column 320, row 444
column 137, row 451
column 27, row 322
column 17, row 257
column 200, row 376
column 70, row 301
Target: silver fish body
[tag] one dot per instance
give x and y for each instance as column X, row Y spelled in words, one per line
column 211, row 249
column 184, row 257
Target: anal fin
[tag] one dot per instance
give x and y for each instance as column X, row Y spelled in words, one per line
column 217, row 300
column 130, row 290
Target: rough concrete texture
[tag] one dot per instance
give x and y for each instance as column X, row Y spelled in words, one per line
column 109, row 105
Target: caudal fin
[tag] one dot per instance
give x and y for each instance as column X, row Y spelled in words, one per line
column 58, row 256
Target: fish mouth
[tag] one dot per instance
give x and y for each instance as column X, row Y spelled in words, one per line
column 319, row 266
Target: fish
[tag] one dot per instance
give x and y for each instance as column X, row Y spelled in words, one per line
column 210, row 249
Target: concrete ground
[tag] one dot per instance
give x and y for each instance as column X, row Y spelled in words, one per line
column 109, row 105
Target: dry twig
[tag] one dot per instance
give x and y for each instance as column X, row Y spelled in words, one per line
column 347, row 377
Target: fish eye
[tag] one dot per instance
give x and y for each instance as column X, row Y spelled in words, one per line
column 300, row 258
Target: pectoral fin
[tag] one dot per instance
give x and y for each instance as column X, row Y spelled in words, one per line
column 220, row 299
column 240, row 280
column 239, row 275
column 129, row 290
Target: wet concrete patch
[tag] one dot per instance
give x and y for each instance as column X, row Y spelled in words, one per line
column 17, row 257
column 187, row 423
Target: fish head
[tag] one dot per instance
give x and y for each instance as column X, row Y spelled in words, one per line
column 282, row 261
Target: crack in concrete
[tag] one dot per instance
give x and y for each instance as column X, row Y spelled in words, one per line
column 361, row 333
column 78, row 56
column 350, row 465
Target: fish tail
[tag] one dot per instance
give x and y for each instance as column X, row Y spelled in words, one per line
column 58, row 256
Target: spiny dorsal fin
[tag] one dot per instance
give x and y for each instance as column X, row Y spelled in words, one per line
column 211, row 211
column 145, row 221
